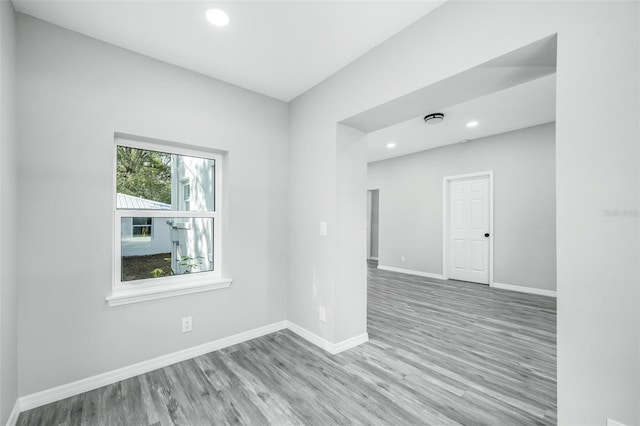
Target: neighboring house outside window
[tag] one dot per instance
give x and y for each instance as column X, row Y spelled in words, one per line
column 142, row 236
column 167, row 220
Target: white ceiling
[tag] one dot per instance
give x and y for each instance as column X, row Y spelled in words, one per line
column 278, row 48
column 527, row 104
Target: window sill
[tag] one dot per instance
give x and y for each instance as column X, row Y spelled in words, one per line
column 162, row 291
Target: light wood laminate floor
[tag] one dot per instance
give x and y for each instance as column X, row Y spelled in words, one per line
column 440, row 353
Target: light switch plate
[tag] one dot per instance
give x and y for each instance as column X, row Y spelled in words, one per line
column 323, row 228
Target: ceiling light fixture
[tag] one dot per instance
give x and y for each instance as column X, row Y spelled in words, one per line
column 472, row 124
column 217, row 17
column 434, row 118
column 391, row 145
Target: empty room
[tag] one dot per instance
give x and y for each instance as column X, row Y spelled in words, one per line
column 319, row 212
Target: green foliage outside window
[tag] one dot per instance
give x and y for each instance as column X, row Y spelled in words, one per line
column 145, row 174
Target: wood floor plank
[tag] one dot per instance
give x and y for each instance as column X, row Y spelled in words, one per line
column 440, row 353
column 234, row 402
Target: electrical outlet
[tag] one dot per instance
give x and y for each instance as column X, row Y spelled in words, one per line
column 322, row 314
column 187, row 324
column 402, row 259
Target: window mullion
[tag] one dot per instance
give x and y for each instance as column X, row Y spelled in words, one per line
column 163, row 213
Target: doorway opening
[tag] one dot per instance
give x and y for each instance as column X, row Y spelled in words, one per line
column 499, row 122
column 373, row 221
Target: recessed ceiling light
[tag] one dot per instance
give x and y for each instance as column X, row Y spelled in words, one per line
column 391, row 145
column 472, row 124
column 217, row 17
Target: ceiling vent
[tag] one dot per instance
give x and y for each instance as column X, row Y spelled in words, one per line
column 435, row 118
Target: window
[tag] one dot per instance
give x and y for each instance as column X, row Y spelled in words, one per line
column 166, row 222
column 141, row 227
column 186, row 194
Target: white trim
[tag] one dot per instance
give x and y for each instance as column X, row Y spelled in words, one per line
column 144, row 294
column 611, row 422
column 153, row 144
column 522, row 289
column 411, row 272
column 310, row 337
column 38, row 399
column 349, row 343
column 332, row 348
column 445, row 219
column 373, row 258
column 164, row 213
column 15, row 413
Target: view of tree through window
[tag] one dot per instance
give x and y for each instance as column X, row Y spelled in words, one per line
column 145, row 174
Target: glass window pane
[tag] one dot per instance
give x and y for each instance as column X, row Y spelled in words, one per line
column 154, row 180
column 176, row 246
column 142, row 220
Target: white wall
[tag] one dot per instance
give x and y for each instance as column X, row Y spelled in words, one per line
column 596, row 163
column 73, row 94
column 524, row 234
column 8, row 256
column 350, row 304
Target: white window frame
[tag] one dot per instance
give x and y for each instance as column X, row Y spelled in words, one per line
column 126, row 292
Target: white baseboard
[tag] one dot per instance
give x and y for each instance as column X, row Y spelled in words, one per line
column 611, row 422
column 411, row 272
column 332, row 348
column 37, row 399
column 310, row 337
column 15, row 413
column 521, row 289
column 350, row 343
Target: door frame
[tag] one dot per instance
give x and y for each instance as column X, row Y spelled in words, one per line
column 445, row 219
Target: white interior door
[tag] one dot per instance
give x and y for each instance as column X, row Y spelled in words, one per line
column 469, row 226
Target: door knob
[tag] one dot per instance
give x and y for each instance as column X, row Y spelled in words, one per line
column 486, row 235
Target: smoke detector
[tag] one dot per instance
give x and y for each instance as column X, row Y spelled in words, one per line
column 435, row 118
